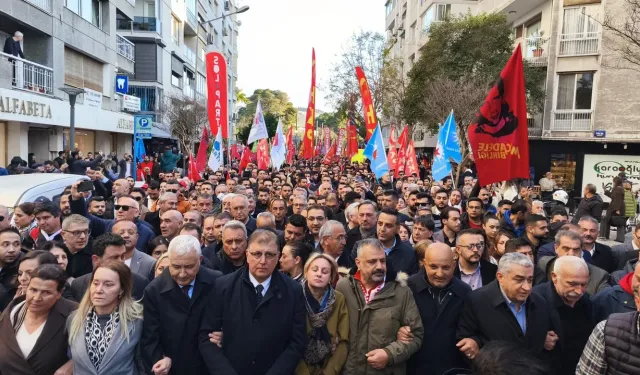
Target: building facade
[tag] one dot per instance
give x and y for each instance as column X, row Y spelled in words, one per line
column 88, row 43
column 588, row 108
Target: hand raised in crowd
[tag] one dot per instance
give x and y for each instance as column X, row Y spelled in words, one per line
column 551, row 340
column 216, row 338
column 162, row 367
column 75, row 194
column 469, row 347
column 404, row 335
column 378, row 358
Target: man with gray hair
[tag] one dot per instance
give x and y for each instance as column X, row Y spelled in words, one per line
column 333, row 239
column 569, row 243
column 240, row 211
column 166, row 202
column 601, row 254
column 567, row 297
column 590, row 205
column 174, row 303
column 12, row 45
column 266, row 220
column 506, row 310
column 373, row 294
column 234, row 247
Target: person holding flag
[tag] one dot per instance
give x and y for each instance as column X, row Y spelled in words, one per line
column 374, row 151
column 278, row 149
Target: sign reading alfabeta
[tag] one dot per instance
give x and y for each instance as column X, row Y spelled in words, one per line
column 24, row 107
column 601, row 169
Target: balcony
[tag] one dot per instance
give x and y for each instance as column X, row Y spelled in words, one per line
column 125, row 48
column 189, row 55
column 138, row 24
column 42, row 4
column 580, row 44
column 26, row 75
column 536, row 51
column 572, row 120
column 151, row 97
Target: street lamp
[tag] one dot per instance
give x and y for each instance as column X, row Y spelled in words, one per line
column 242, row 9
column 73, row 93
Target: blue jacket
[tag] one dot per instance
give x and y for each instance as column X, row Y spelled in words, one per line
column 100, row 226
column 507, row 225
column 610, row 301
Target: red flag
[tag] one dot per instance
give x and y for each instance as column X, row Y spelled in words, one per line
column 328, row 158
column 291, row 148
column 411, row 167
column 201, row 156
column 392, row 155
column 235, row 154
column 245, row 159
column 367, row 103
column 499, row 136
column 193, row 175
column 309, row 127
column 352, row 141
column 263, row 154
column 402, row 152
column 217, row 93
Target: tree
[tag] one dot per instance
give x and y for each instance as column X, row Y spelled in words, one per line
column 270, row 119
column 468, row 50
column 332, row 120
column 272, row 101
column 367, row 50
column 393, row 88
column 624, row 36
column 183, row 118
column 241, row 97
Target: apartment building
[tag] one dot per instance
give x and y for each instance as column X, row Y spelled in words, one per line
column 171, row 38
column 589, row 108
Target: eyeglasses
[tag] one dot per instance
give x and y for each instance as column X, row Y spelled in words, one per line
column 472, row 246
column 78, row 233
column 174, row 191
column 422, row 204
column 122, row 207
column 257, row 255
column 138, row 198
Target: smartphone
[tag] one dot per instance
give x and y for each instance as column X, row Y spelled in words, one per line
column 85, row 186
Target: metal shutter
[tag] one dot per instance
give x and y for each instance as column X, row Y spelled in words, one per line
column 145, row 68
column 73, row 75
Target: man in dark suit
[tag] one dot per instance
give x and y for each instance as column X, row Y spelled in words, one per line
column 108, row 246
column 506, row 310
column 166, row 202
column 471, row 268
column 333, row 238
column 173, row 306
column 234, row 248
column 240, row 211
column 261, row 314
column 601, row 255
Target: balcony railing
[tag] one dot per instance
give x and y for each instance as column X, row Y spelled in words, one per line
column 537, row 51
column 138, row 24
column 191, row 17
column 27, row 75
column 150, row 97
column 42, row 4
column 125, row 48
column 572, row 120
column 189, row 55
column 587, row 43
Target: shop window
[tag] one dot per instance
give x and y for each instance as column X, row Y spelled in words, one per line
column 563, row 168
column 85, row 140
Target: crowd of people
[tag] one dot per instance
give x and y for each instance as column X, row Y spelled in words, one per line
column 312, row 269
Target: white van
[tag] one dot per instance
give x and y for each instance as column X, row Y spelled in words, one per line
column 17, row 189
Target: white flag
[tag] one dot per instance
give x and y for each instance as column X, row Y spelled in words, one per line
column 259, row 127
column 216, row 158
column 278, row 149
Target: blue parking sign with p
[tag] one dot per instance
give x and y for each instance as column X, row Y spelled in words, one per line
column 143, row 126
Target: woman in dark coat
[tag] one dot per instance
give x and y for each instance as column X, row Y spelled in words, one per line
column 616, row 207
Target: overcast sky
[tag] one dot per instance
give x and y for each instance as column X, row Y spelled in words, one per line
column 276, row 37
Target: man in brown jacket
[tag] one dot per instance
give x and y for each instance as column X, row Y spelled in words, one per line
column 379, row 304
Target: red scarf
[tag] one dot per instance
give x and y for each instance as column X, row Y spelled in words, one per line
column 625, row 283
column 368, row 293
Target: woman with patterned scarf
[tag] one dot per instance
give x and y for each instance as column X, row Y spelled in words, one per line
column 327, row 319
column 24, row 219
column 105, row 331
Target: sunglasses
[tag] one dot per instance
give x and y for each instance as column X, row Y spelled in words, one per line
column 119, row 207
column 175, row 191
column 138, row 198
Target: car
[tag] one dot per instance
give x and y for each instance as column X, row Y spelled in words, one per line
column 18, row 189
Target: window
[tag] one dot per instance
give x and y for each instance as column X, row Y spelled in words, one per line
column 202, row 84
column 575, row 91
column 389, row 6
column 580, row 31
column 435, row 13
column 82, row 71
column 176, row 80
column 201, row 51
column 175, row 30
column 90, row 10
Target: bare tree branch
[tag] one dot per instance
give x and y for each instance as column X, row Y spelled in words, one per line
column 183, row 118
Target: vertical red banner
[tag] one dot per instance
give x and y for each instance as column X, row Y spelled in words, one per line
column 217, row 89
column 201, row 156
column 291, row 148
column 309, row 126
column 367, row 103
column 402, row 152
column 352, row 140
column 263, row 154
column 327, row 139
column 341, row 134
column 392, row 154
column 412, row 161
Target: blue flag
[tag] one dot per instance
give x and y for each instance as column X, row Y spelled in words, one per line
column 374, row 151
column 441, row 165
column 138, row 151
column 451, row 143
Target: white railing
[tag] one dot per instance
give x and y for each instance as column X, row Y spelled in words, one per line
column 42, row 4
column 585, row 43
column 572, row 120
column 27, row 75
column 189, row 55
column 125, row 48
column 537, row 51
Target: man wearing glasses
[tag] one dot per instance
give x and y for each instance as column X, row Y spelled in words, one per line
column 76, row 233
column 240, row 211
column 471, row 268
column 261, row 313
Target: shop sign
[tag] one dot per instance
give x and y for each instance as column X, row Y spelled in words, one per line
column 92, row 98
column 124, row 124
column 599, row 133
column 122, row 84
column 601, row 169
column 24, row 107
column 131, row 103
column 143, row 126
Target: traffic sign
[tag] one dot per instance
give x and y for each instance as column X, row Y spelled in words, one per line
column 142, row 125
